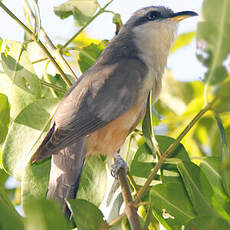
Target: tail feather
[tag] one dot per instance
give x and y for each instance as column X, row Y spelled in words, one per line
column 43, row 152
column 66, row 168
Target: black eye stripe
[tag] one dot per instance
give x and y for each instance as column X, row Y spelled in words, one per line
column 152, row 15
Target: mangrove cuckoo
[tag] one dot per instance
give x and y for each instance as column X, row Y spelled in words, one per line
column 108, row 101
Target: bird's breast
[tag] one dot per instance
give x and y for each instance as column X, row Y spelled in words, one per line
column 153, row 81
column 108, row 139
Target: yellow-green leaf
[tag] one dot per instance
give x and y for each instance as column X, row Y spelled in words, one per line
column 183, row 40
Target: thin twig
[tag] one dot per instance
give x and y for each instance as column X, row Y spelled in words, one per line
column 15, row 18
column 117, row 219
column 61, row 90
column 129, row 145
column 132, row 182
column 130, row 209
column 40, row 44
column 65, row 79
column 56, row 52
column 40, row 60
column 47, row 78
column 170, row 149
column 83, row 27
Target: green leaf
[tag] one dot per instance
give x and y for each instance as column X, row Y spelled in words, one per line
column 25, row 134
column 1, row 43
column 93, row 180
column 183, row 40
column 169, row 168
column 58, row 81
column 222, row 106
column 147, row 124
column 3, row 178
column 202, row 131
column 80, row 18
column 171, row 205
column 222, row 91
column 4, row 116
column 215, row 139
column 17, row 78
column 87, row 215
column 143, row 161
column 129, row 148
column 225, row 156
column 88, row 55
column 9, row 218
column 197, row 186
column 92, row 186
column 82, row 10
column 147, row 219
column 180, row 152
column 117, row 21
column 207, row 222
column 35, row 182
column 46, row 72
column 211, row 167
column 193, row 107
column 45, row 215
column 212, row 37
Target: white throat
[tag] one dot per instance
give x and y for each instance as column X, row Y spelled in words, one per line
column 154, row 40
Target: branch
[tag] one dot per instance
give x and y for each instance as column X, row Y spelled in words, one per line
column 33, row 36
column 91, row 19
column 170, row 149
column 130, row 209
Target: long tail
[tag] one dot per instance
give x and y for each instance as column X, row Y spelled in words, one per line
column 66, row 168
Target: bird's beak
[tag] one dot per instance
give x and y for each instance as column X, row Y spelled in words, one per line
column 182, row 15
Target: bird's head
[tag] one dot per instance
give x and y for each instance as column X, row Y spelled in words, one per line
column 158, row 15
column 154, row 29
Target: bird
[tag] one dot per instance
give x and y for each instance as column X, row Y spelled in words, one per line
column 108, row 101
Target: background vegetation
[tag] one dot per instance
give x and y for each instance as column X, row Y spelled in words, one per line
column 192, row 188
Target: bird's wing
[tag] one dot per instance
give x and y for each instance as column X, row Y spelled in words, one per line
column 102, row 95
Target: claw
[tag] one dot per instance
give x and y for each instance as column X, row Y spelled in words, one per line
column 119, row 163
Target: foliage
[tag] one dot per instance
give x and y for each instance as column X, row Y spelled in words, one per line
column 81, row 10
column 192, row 188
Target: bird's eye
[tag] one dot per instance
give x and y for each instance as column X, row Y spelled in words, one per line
column 153, row 15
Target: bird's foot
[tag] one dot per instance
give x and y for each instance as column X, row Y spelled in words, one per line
column 119, row 163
